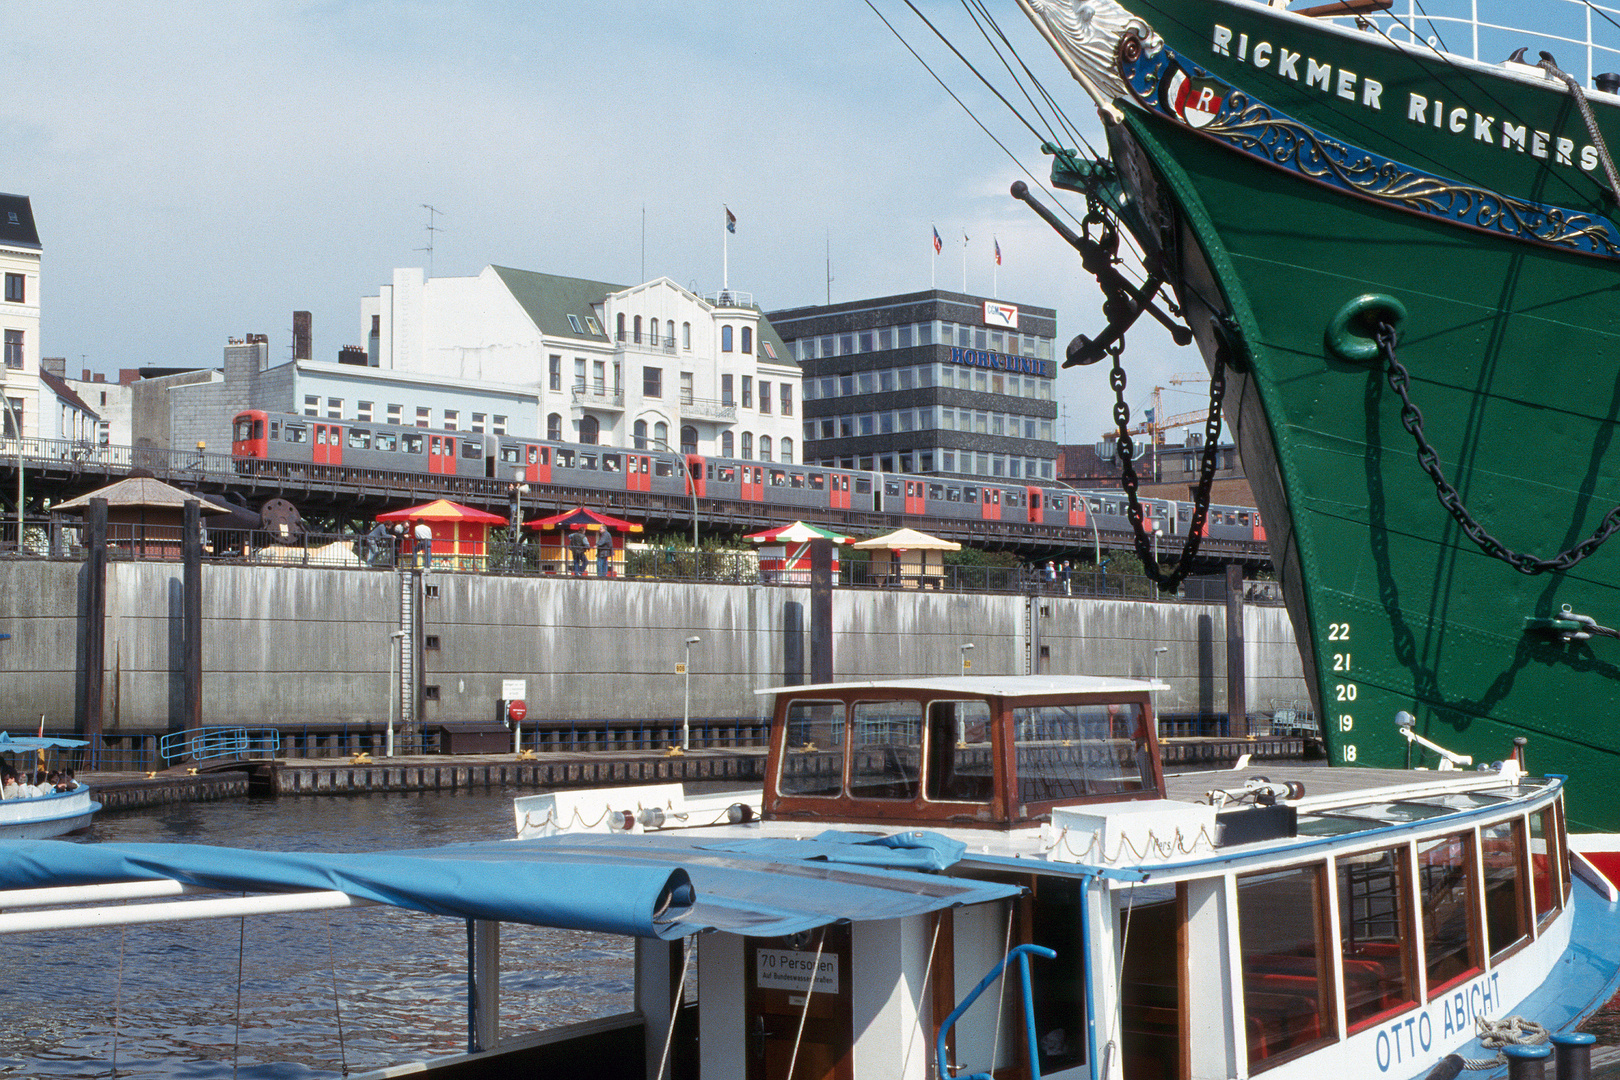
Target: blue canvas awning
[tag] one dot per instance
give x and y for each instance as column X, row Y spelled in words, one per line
column 19, row 744
column 663, row 886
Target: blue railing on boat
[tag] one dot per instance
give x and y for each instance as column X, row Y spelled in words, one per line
column 1022, row 953
column 212, row 743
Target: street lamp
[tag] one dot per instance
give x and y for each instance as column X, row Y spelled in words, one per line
column 515, row 529
column 1154, row 694
column 393, row 686
column 691, row 486
column 964, row 649
column 14, row 413
column 686, row 708
column 1157, row 532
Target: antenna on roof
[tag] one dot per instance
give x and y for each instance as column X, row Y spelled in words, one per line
column 431, row 229
column 829, row 267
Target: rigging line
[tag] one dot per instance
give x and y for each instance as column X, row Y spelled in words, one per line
column 1068, row 126
column 1426, row 18
column 1051, row 131
column 968, row 64
column 1606, row 16
column 1037, row 181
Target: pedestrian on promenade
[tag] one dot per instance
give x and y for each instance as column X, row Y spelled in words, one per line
column 424, row 545
column 1068, row 570
column 604, row 551
column 578, row 546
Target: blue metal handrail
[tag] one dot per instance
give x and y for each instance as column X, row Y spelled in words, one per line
column 205, row 744
column 1023, row 953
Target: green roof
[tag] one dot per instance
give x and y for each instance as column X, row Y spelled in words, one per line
column 549, row 300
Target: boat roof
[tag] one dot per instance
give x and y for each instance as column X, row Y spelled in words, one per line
column 17, row 744
column 1005, row 686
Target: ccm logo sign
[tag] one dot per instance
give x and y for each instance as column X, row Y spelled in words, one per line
column 1001, row 315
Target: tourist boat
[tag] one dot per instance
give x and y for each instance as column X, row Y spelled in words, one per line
column 1301, row 174
column 990, row 875
column 42, row 816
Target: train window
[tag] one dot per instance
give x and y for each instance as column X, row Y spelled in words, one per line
column 818, row 481
column 1243, row 518
column 970, row 494
column 663, row 468
column 587, row 461
column 995, row 497
column 244, row 430
column 863, row 485
column 472, row 448
column 610, row 462
column 778, row 478
column 512, row 455
column 411, row 443
column 953, row 494
column 320, row 434
column 796, row 480
column 565, row 459
column 891, row 488
column 386, row 441
column 1183, row 513
column 1096, row 505
column 535, row 453
column 936, row 491
column 275, row 430
column 726, row 474
column 359, row 439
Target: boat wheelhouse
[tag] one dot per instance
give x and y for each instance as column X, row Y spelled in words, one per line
column 917, row 838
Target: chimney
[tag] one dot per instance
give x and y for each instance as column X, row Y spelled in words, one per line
column 99, row 376
column 86, row 375
column 301, row 335
column 56, row 365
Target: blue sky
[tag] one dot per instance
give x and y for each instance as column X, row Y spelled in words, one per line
column 199, row 171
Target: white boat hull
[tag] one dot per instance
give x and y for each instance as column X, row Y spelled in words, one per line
column 44, row 816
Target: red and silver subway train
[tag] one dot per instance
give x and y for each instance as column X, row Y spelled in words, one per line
column 285, row 444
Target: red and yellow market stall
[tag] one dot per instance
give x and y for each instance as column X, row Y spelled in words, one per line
column 460, row 533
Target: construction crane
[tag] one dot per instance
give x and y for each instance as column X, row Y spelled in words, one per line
column 1157, row 423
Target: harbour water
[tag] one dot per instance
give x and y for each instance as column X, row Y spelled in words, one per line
column 166, row 996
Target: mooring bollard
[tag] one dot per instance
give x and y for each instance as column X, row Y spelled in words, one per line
column 1527, row 1062
column 1572, row 1055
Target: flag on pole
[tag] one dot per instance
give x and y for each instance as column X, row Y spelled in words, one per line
column 731, row 221
column 938, row 244
column 998, row 251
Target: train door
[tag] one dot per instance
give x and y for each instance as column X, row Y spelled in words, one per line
column 328, row 444
column 838, row 491
column 1259, row 527
column 1077, row 511
column 695, row 472
column 442, row 454
column 990, row 506
column 637, row 472
column 537, row 463
column 798, row 1009
column 916, row 500
column 751, row 483
column 1037, row 505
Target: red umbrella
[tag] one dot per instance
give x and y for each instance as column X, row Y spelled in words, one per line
column 442, row 510
column 582, row 518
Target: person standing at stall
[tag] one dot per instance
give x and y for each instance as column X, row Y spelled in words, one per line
column 604, row 551
column 578, row 546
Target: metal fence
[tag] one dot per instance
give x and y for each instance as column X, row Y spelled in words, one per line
column 214, row 743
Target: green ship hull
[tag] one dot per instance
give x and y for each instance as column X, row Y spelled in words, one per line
column 1510, row 335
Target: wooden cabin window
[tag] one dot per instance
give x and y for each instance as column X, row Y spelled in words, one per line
column 813, row 749
column 1562, row 833
column 1287, row 980
column 1507, row 916
column 1070, row 751
column 961, row 764
column 885, row 750
column 1446, row 884
column 1544, row 863
column 1375, row 936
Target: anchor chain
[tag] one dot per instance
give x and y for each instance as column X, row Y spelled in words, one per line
column 1412, row 420
column 1206, row 475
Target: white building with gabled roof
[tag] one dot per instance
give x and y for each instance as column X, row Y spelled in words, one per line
column 19, row 316
column 649, row 365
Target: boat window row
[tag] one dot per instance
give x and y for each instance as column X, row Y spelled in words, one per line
column 943, row 751
column 1352, row 942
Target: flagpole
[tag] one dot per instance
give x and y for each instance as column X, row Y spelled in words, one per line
column 964, row 261
column 933, row 261
column 995, row 268
column 725, row 253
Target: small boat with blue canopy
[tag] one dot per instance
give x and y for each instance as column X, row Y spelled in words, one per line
column 977, row 877
column 42, row 816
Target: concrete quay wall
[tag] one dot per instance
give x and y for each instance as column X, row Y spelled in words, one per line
column 289, row 645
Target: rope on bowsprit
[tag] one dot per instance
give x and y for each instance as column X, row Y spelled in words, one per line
column 1550, row 66
column 1429, row 459
column 1496, row 1034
